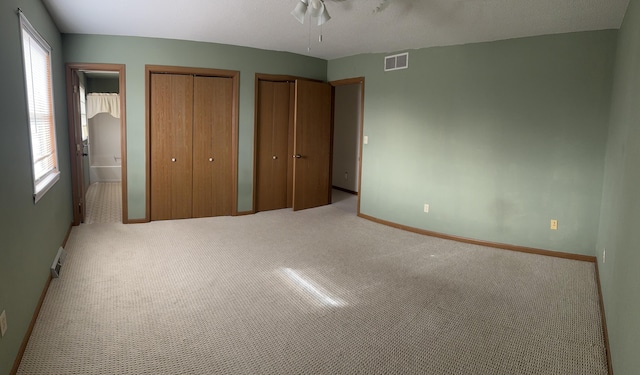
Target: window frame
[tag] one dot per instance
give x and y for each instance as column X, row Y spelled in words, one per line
column 45, row 182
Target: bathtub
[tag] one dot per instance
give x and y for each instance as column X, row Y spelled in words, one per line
column 105, row 169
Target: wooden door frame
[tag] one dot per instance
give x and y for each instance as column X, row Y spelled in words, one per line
column 343, row 82
column 205, row 72
column 74, row 68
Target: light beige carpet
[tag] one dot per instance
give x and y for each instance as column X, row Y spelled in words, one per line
column 104, row 203
column 319, row 291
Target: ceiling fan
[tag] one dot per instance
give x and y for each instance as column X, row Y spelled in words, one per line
column 318, row 10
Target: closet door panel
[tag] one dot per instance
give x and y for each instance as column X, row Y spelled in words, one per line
column 160, row 143
column 264, row 154
column 182, row 133
column 291, row 142
column 281, row 121
column 212, row 151
column 222, row 97
column 311, row 177
column 171, row 144
column 273, row 154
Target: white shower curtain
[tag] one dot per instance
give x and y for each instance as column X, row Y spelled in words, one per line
column 103, row 103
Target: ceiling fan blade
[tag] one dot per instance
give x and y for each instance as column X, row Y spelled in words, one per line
column 300, row 10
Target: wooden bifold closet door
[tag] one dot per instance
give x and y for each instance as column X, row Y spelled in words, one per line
column 293, row 144
column 312, row 145
column 190, row 140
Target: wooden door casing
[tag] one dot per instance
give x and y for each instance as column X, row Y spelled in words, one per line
column 75, row 133
column 311, row 171
column 171, row 140
column 212, row 151
column 79, row 190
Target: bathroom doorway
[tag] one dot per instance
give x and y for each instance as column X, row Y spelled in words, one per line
column 96, row 131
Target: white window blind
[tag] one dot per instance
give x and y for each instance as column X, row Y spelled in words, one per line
column 37, row 72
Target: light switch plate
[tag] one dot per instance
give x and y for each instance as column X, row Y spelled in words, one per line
column 365, row 140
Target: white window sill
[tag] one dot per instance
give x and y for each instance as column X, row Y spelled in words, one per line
column 43, row 187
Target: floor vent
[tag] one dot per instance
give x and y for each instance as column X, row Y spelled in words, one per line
column 396, row 62
column 57, row 263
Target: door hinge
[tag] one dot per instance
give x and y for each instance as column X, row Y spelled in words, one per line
column 75, row 89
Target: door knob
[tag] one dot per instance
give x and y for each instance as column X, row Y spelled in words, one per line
column 173, row 160
column 210, row 159
column 274, row 157
column 297, row 156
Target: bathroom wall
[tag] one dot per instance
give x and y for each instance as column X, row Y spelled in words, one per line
column 103, row 84
column 104, row 141
column 104, row 133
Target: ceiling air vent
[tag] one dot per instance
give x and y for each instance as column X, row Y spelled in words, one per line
column 396, row 62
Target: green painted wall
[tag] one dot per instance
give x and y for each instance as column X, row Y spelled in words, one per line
column 497, row 137
column 136, row 52
column 31, row 233
column 620, row 218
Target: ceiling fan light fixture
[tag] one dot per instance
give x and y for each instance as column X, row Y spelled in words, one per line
column 317, row 6
column 300, row 10
column 323, row 17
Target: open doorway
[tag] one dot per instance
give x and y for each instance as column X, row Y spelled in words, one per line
column 348, row 104
column 97, row 133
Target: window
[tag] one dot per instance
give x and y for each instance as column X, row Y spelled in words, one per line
column 37, row 73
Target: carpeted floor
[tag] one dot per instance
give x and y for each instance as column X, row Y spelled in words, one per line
column 104, row 203
column 319, row 291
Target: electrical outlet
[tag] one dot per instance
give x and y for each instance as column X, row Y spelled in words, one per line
column 604, row 255
column 554, row 224
column 346, row 175
column 3, row 323
column 426, row 208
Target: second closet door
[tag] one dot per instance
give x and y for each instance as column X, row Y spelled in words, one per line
column 212, row 139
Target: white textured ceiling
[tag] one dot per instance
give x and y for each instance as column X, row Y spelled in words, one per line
column 356, row 27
